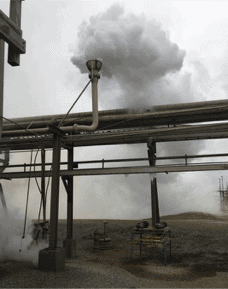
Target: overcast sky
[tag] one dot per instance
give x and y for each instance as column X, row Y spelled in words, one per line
column 177, row 52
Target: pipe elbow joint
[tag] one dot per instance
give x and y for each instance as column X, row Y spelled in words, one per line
column 92, row 127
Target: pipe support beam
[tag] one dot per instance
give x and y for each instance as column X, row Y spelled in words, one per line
column 121, row 170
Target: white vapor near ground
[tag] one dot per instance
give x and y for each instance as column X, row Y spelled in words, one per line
column 12, row 245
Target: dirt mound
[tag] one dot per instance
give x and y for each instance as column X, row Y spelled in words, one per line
column 193, row 216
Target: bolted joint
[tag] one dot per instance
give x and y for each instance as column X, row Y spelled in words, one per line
column 94, row 74
column 151, row 144
column 94, row 67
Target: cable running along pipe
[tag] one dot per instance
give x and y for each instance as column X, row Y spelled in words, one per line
column 74, row 103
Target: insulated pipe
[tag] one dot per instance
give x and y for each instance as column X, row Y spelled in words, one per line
column 59, row 117
column 146, row 117
column 156, row 108
column 217, row 127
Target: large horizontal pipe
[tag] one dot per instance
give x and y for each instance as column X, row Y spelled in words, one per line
column 191, row 132
column 124, row 111
column 191, row 115
column 59, row 117
column 116, row 118
column 156, row 130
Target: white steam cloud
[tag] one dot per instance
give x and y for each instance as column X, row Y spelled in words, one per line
column 136, row 53
column 12, row 245
column 141, row 68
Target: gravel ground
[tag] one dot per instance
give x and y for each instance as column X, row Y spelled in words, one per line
column 199, row 259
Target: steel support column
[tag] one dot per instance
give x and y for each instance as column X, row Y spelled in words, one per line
column 43, row 184
column 69, row 243
column 154, row 202
column 2, row 57
column 70, row 196
column 53, row 258
column 151, row 144
column 55, row 191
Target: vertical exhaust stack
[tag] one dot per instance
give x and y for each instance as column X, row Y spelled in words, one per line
column 94, row 67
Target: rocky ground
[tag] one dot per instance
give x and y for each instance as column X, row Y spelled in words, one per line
column 199, row 258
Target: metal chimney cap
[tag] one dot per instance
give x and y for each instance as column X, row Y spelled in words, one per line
column 94, row 64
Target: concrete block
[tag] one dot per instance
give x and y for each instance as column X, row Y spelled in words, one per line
column 52, row 259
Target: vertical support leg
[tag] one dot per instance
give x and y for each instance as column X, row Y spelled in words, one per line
column 3, row 202
column 15, row 16
column 53, row 258
column 55, row 191
column 43, row 183
column 170, row 244
column 154, row 202
column 70, row 196
column 132, row 239
column 165, row 255
column 140, row 244
column 69, row 243
column 2, row 56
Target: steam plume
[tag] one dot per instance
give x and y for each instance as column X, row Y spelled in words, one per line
column 141, row 68
column 136, row 53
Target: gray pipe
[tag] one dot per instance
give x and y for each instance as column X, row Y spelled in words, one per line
column 157, row 108
column 116, row 118
column 111, row 116
column 94, row 66
column 94, row 125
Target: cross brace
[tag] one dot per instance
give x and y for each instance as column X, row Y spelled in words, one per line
column 11, row 33
column 65, row 180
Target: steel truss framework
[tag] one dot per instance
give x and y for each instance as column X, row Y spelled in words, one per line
column 180, row 122
column 168, row 123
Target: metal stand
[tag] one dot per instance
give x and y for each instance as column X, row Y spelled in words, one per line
column 101, row 241
column 158, row 239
